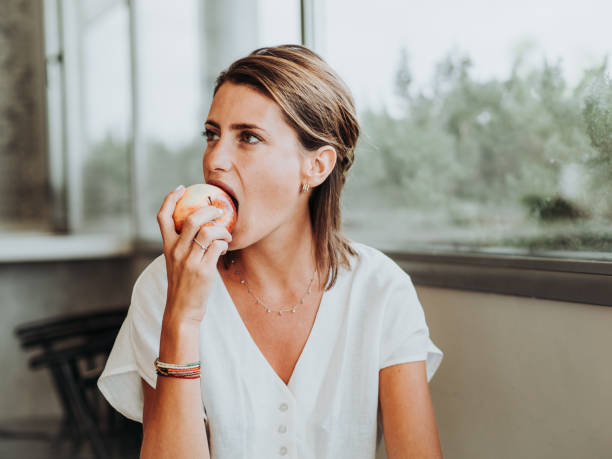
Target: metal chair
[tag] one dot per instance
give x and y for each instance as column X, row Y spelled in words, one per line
column 74, row 348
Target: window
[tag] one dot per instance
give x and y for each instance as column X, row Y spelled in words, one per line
column 101, row 162
column 179, row 53
column 486, row 125
column 132, row 87
column 89, row 116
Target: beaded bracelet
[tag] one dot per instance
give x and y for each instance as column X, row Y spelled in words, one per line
column 189, row 371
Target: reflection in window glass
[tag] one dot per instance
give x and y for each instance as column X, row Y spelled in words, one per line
column 486, row 125
column 169, row 59
column 105, row 84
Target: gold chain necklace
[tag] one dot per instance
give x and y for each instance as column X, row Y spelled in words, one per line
column 280, row 312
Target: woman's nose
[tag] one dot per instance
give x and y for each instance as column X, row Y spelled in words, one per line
column 218, row 157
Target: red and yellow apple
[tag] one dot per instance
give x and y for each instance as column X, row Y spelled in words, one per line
column 203, row 194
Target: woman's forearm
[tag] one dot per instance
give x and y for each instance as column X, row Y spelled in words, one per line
column 175, row 427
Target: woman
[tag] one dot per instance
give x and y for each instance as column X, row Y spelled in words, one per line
column 310, row 345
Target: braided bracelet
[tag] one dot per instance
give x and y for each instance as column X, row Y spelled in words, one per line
column 188, row 371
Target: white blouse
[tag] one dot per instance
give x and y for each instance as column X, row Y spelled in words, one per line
column 370, row 319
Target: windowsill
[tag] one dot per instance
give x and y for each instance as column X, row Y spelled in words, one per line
column 561, row 279
column 545, row 276
column 579, row 277
column 32, row 247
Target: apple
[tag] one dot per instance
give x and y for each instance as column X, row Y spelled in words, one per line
column 203, row 194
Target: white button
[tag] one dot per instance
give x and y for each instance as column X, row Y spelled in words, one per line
column 283, row 407
column 282, row 428
column 282, row 451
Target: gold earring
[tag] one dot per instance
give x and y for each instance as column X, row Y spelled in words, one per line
column 305, row 187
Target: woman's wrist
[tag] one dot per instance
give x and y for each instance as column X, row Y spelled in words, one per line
column 179, row 341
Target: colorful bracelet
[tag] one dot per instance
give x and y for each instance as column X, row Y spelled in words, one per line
column 188, row 371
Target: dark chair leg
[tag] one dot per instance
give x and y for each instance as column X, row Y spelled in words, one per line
column 81, row 414
column 72, row 428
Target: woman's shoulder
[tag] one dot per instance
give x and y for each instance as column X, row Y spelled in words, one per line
column 154, row 272
column 373, row 260
column 366, row 250
column 379, row 283
column 150, row 287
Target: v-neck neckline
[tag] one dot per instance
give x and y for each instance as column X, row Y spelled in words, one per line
column 311, row 336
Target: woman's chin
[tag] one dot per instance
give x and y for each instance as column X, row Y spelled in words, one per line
column 234, row 244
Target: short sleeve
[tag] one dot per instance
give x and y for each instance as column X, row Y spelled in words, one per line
column 405, row 334
column 137, row 345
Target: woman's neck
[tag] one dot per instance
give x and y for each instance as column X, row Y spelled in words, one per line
column 277, row 267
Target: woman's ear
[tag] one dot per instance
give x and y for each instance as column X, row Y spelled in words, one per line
column 319, row 165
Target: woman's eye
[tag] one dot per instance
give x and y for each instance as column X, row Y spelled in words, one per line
column 208, row 134
column 247, row 136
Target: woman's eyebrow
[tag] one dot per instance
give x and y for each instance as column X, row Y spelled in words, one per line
column 237, row 126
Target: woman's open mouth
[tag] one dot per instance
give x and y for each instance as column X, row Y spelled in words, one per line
column 235, row 201
column 228, row 190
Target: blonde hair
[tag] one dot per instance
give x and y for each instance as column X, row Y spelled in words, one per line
column 319, row 106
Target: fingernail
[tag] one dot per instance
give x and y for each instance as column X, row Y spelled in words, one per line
column 179, row 187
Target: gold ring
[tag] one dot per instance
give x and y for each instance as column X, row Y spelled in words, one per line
column 204, row 247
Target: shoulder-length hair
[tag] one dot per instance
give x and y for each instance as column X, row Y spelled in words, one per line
column 319, row 106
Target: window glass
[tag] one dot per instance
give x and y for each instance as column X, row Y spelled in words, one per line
column 170, row 100
column 180, row 53
column 105, row 108
column 485, row 124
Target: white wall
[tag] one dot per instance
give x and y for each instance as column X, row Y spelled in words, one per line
column 521, row 377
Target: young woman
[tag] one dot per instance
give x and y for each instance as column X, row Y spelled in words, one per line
column 309, row 345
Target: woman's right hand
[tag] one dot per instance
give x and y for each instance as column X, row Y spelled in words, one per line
column 190, row 270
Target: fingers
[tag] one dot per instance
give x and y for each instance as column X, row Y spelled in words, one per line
column 202, row 218
column 216, row 248
column 206, row 236
column 164, row 217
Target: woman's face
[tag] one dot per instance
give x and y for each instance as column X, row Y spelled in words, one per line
column 255, row 153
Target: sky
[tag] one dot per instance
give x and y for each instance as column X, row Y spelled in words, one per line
column 360, row 40
column 363, row 39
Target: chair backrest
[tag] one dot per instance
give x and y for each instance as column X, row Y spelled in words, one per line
column 51, row 331
column 74, row 348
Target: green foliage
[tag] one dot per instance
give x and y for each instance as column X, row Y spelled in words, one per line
column 494, row 142
column 470, row 152
column 567, row 240
column 106, row 179
column 106, row 175
column 552, row 208
column 166, row 169
column 597, row 112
